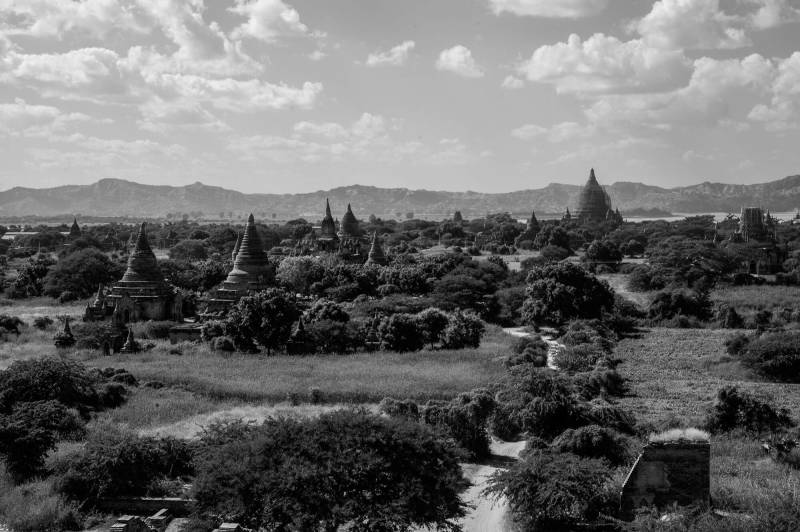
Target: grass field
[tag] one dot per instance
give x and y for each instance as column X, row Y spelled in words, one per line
column 749, row 299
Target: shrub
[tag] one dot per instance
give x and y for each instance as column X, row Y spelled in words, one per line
column 668, row 304
column 738, row 409
column 552, row 491
column 153, row 330
column 464, row 329
column 93, row 335
column 601, row 412
column 593, row 441
column 48, row 379
column 600, row 383
column 407, row 409
column 116, row 461
column 736, row 343
column 464, row 419
column 577, row 358
column 223, row 343
column 561, row 292
column 212, row 329
column 264, row 318
column 10, row 324
column 331, row 336
column 589, row 332
column 730, row 319
column 302, row 474
column 775, row 355
column 42, row 322
column 400, row 332
column 538, row 401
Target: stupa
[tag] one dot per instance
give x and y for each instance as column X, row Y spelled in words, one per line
column 251, row 271
column 376, row 255
column 143, row 293
column 594, row 203
column 75, row 230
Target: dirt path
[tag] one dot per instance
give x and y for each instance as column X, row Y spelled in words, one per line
column 487, row 515
column 553, row 346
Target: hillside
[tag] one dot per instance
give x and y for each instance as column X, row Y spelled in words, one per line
column 116, row 197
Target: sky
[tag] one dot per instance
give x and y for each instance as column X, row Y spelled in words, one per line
column 488, row 95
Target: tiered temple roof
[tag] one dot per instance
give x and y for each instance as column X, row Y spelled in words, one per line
column 327, row 230
column 142, row 267
column 594, row 203
column 349, row 224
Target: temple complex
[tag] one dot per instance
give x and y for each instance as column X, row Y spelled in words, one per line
column 251, row 271
column 531, row 230
column 75, row 230
column 757, row 231
column 141, row 294
column 754, row 225
column 346, row 241
column 594, row 205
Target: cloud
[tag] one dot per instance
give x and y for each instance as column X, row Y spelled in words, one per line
column 396, row 56
column 267, row 20
column 549, row 8
column 57, row 18
column 692, row 24
column 605, row 64
column 512, row 82
column 28, row 120
column 459, row 60
column 561, row 132
column 773, row 13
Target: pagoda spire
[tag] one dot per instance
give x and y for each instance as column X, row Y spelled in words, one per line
column 376, row 255
column 142, row 264
column 592, row 176
column 328, row 208
column 236, row 246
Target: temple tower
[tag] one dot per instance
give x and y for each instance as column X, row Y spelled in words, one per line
column 376, row 255
column 593, row 203
column 75, row 230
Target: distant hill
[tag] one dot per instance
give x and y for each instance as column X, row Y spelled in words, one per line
column 116, row 197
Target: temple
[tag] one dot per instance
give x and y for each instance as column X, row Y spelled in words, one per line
column 755, row 226
column 376, row 255
column 594, row 205
column 251, row 271
column 141, row 294
column 75, row 230
column 344, row 239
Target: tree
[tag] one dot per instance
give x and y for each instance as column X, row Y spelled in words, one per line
column 264, row 318
column 432, row 323
column 346, row 468
column 299, row 273
column 401, row 332
column 80, row 273
column 563, row 291
column 464, row 329
column 552, row 491
column 552, row 235
column 29, row 280
column 603, row 252
column 329, row 327
column 740, row 409
column 188, row 250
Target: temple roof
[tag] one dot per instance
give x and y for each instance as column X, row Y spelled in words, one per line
column 376, row 255
column 533, row 223
column 75, row 230
column 593, row 203
column 142, row 264
column 349, row 223
column 328, row 226
column 251, row 261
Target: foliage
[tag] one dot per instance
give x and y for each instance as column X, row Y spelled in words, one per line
column 668, row 304
column 552, row 491
column 400, row 332
column 29, row 281
column 432, row 323
column 593, row 441
column 736, row 343
column 464, row 329
column 116, row 461
column 303, row 475
column 775, row 355
column 42, row 322
column 35, row 507
column 188, row 250
column 739, row 409
column 561, row 292
column 407, row 409
column 264, row 318
column 30, row 431
column 10, row 324
column 80, row 273
column 464, row 419
column 603, row 252
column 577, row 358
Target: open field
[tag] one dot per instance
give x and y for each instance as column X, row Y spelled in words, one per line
column 749, row 299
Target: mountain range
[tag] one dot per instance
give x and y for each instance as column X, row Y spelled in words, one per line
column 120, row 198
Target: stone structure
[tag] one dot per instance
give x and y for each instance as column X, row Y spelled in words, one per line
column 376, row 255
column 328, row 239
column 673, row 471
column 141, row 294
column 131, row 345
column 532, row 229
column 300, row 342
column 130, row 523
column 594, row 205
column 346, row 242
column 75, row 230
column 755, row 226
column 251, row 271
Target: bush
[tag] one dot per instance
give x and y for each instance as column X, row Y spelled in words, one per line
column 407, row 409
column 42, row 322
column 593, row 441
column 302, row 474
column 265, row 319
column 738, row 409
column 400, row 332
column 223, row 343
column 592, row 332
column 553, row 491
column 561, row 292
column 775, row 355
column 464, row 419
column 93, row 335
column 212, row 329
column 432, row 323
column 464, row 329
column 730, row 319
column 668, row 304
column 737, row 343
column 577, row 358
column 600, row 383
column 117, row 462
column 11, row 324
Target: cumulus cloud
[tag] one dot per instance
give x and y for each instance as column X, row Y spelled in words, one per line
column 771, row 13
column 396, row 56
column 459, row 60
column 549, row 8
column 512, row 82
column 692, row 24
column 267, row 20
column 561, row 132
column 603, row 63
column 56, row 18
column 28, row 120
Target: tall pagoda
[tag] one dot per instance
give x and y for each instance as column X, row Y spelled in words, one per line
column 594, row 204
